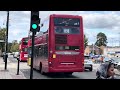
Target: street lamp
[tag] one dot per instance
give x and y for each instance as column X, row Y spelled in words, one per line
column 6, row 40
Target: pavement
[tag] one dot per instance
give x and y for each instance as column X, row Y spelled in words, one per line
column 24, row 72
column 11, row 72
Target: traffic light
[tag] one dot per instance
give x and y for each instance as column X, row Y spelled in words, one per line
column 35, row 21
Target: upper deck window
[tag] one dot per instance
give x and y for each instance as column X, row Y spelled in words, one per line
column 75, row 22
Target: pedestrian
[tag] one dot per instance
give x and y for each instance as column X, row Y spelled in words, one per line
column 106, row 71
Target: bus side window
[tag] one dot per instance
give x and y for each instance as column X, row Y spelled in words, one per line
column 47, row 38
column 40, row 51
column 46, row 51
column 35, row 52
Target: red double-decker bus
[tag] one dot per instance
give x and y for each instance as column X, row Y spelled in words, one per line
column 59, row 46
column 23, row 49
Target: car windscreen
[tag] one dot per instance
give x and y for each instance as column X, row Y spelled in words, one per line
column 116, row 59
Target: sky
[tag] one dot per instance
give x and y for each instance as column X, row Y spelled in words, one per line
column 107, row 22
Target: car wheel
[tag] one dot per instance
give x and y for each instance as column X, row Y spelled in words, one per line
column 91, row 68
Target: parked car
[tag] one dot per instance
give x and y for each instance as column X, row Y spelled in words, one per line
column 118, row 66
column 3, row 53
column 88, row 64
column 106, row 59
column 13, row 53
column 115, row 60
column 16, row 54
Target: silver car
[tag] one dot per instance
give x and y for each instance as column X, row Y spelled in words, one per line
column 16, row 54
column 115, row 60
column 107, row 59
column 88, row 64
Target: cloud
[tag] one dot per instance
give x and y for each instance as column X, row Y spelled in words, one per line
column 14, row 32
column 94, row 22
column 99, row 20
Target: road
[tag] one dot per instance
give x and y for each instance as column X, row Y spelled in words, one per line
column 25, row 69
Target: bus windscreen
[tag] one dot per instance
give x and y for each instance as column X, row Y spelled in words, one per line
column 25, row 41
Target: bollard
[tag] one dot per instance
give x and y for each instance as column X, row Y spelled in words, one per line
column 18, row 65
column 5, row 60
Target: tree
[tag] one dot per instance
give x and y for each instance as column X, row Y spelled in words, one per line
column 14, row 46
column 2, row 37
column 14, row 41
column 9, row 46
column 85, row 41
column 101, row 39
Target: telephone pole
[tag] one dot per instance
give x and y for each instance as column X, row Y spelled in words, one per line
column 6, row 40
column 93, row 48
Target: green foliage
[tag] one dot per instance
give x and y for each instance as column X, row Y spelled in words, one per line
column 101, row 39
column 85, row 41
column 9, row 46
column 14, row 46
column 2, row 37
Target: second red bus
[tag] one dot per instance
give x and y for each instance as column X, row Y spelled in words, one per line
column 23, row 49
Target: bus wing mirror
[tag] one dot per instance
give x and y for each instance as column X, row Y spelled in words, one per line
column 41, row 25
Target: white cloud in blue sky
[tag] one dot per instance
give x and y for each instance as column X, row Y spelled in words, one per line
column 107, row 22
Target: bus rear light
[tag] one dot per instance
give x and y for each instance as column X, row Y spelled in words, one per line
column 25, row 55
column 54, row 55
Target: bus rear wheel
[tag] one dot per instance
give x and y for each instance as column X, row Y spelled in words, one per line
column 68, row 73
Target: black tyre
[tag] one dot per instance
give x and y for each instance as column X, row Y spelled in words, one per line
column 68, row 73
column 91, row 68
column 41, row 71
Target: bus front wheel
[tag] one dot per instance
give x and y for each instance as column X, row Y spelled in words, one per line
column 41, row 71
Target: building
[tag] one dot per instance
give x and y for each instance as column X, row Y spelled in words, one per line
column 89, row 50
column 105, row 51
column 112, row 51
